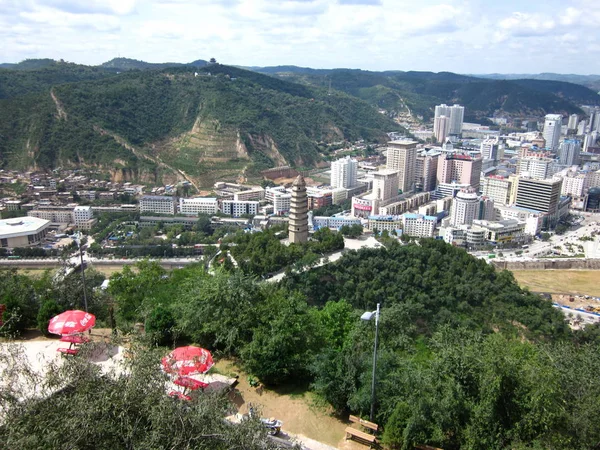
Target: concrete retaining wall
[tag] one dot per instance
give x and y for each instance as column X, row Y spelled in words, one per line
column 547, row 263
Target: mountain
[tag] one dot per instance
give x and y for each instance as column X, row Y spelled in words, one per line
column 421, row 91
column 197, row 123
column 591, row 81
column 30, row 64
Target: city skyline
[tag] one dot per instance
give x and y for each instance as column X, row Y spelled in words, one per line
column 434, row 35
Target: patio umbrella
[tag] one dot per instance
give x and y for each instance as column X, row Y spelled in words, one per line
column 187, row 361
column 71, row 322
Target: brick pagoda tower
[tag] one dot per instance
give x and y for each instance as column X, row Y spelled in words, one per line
column 298, row 226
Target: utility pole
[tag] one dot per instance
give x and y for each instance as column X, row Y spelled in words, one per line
column 78, row 240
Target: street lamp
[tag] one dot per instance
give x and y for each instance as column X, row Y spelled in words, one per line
column 78, row 241
column 368, row 316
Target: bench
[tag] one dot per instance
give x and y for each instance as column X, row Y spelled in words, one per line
column 68, row 351
column 360, row 436
column 425, row 447
column 179, row 395
column 364, row 423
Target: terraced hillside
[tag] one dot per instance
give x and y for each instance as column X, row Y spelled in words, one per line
column 200, row 124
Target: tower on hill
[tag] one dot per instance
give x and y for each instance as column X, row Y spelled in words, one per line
column 298, row 225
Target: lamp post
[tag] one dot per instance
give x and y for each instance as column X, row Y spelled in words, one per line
column 78, row 240
column 368, row 316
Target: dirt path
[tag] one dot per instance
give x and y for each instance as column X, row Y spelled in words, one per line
column 300, row 411
column 60, row 110
column 143, row 155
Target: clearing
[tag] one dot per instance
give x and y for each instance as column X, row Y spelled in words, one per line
column 300, row 411
column 560, row 281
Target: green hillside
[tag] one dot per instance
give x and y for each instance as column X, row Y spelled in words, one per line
column 224, row 122
column 421, row 91
column 123, row 64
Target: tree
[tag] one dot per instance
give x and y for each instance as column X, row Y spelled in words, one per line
column 48, row 310
column 123, row 409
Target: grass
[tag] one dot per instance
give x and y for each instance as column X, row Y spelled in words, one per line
column 560, row 281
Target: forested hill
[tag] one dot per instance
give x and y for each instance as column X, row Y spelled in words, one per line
column 134, row 64
column 421, row 91
column 202, row 123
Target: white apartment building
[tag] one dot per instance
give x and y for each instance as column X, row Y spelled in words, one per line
column 552, row 130
column 538, row 168
column 490, row 149
column 281, row 202
column 335, row 223
column 465, row 208
column 533, row 220
column 157, row 204
column 441, row 128
column 82, row 214
column 254, row 194
column 57, row 216
column 239, row 208
column 198, row 205
column 457, row 115
column 344, row 173
column 418, row 225
column 272, row 191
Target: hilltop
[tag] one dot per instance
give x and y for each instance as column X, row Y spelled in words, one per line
column 196, row 123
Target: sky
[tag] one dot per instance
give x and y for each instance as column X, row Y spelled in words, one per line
column 477, row 36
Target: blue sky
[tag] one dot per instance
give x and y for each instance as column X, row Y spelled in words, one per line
column 478, row 36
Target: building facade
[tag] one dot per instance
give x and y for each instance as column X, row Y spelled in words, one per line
column 198, row 205
column 418, row 225
column 239, row 208
column 401, row 156
column 552, row 130
column 465, row 208
column 539, row 195
column 344, row 173
column 157, row 204
column 459, row 167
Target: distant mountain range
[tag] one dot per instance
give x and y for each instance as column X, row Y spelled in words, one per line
column 591, row 81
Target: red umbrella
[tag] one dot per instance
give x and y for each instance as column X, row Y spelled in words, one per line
column 71, row 322
column 188, row 360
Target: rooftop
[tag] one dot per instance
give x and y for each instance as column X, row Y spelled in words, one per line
column 21, row 226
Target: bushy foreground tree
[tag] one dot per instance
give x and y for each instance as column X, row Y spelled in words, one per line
column 79, row 407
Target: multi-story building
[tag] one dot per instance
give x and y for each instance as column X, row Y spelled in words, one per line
column 441, row 128
column 486, row 209
column 539, row 195
column 335, row 222
column 502, row 232
column 441, row 110
column 457, row 115
column 281, row 202
column 533, row 220
column 459, row 167
column 344, row 173
column 239, row 208
column 569, row 152
column 426, row 170
column 404, row 203
column 22, row 231
column 198, row 205
column 271, row 192
column 383, row 222
column 538, row 168
column 497, row 188
column 401, row 156
column 55, row 216
column 552, row 129
column 573, row 122
column 465, row 208
column 385, row 190
column 253, row 194
column 490, row 149
column 418, row 225
column 82, row 214
column 158, row 204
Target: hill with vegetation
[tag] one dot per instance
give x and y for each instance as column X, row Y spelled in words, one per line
column 466, row 359
column 198, row 123
column 591, row 81
column 421, row 91
column 123, row 64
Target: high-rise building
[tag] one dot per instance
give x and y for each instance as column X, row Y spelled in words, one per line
column 343, row 173
column 440, row 110
column 533, row 167
column 385, row 184
column 401, row 156
column 465, row 208
column 573, row 121
column 497, row 188
column 590, row 140
column 569, row 152
column 426, row 170
column 552, row 128
column 459, row 167
column 457, row 115
column 539, row 195
column 441, row 128
column 298, row 224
